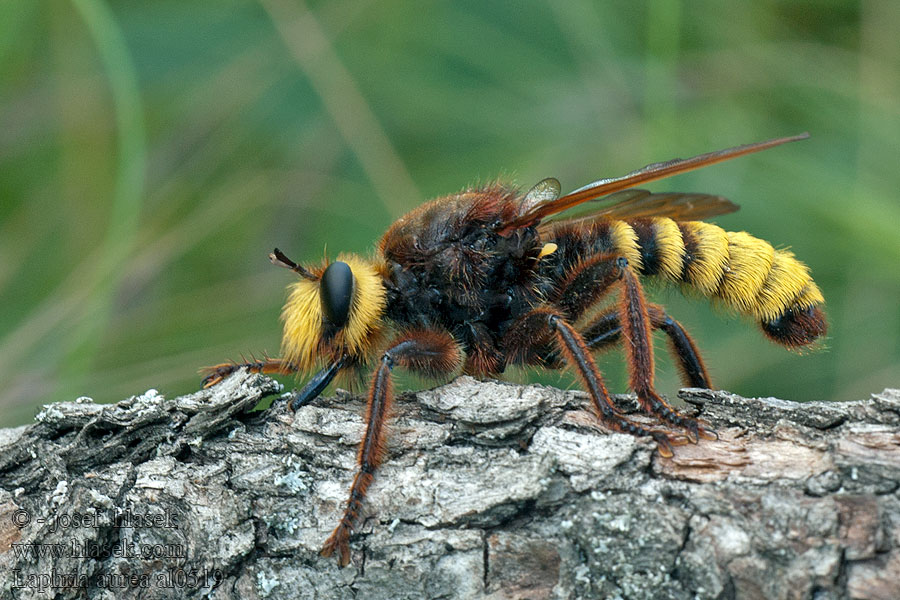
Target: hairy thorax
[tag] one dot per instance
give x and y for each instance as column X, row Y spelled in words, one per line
column 445, row 266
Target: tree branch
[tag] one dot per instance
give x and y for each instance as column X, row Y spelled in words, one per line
column 488, row 490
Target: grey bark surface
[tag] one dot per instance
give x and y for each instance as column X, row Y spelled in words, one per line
column 488, row 490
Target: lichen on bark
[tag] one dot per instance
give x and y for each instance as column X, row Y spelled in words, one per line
column 489, row 490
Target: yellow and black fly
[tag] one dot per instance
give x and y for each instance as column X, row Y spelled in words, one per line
column 481, row 280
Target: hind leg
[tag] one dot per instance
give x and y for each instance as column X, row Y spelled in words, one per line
column 638, row 345
column 544, row 326
column 606, row 331
column 585, row 285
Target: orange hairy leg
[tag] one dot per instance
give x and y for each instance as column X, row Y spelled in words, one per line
column 635, row 323
column 586, row 284
column 217, row 373
column 545, row 322
column 428, row 352
column 606, row 331
column 572, row 345
column 589, row 281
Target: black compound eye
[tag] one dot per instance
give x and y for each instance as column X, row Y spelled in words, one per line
column 336, row 289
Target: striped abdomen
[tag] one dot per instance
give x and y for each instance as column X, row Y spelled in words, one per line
column 742, row 272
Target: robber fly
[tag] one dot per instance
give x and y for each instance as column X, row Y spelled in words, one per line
column 482, row 280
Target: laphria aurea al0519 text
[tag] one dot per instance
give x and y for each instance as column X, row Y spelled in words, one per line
column 481, row 280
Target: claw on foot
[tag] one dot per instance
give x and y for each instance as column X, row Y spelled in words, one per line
column 664, row 444
column 708, row 434
column 215, row 374
column 695, row 431
column 210, row 380
column 340, row 541
column 681, row 440
column 692, row 432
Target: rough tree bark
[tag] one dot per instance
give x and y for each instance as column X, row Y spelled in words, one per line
column 489, row 490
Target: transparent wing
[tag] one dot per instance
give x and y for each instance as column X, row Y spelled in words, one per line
column 544, row 191
column 649, row 173
column 634, row 203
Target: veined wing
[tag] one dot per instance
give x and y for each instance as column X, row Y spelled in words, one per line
column 635, row 203
column 539, row 211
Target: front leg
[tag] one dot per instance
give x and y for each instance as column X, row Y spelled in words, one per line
column 428, row 352
column 217, row 373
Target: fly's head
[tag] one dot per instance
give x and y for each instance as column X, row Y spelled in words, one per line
column 332, row 311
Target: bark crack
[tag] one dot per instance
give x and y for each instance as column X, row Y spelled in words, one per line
column 798, row 497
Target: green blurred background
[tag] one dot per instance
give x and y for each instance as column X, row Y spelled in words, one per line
column 153, row 153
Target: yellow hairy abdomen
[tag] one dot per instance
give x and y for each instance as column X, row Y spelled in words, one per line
column 740, row 271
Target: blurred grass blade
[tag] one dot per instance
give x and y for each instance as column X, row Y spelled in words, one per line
column 128, row 193
column 343, row 100
column 661, row 82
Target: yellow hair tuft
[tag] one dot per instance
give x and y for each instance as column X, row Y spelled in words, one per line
column 625, row 242
column 669, row 246
column 810, row 295
column 784, row 284
column 303, row 316
column 746, row 273
column 369, row 301
column 750, row 260
column 707, row 266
